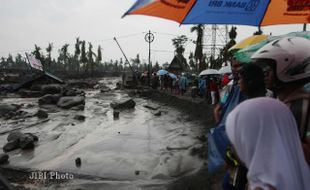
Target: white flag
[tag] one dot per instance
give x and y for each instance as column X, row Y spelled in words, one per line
column 34, row 63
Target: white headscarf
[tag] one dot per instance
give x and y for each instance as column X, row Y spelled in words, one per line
column 264, row 134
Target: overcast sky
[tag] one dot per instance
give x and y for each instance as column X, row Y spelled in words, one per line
column 28, row 22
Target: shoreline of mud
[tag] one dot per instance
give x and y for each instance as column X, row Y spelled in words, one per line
column 197, row 109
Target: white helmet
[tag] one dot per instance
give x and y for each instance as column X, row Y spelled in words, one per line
column 289, row 56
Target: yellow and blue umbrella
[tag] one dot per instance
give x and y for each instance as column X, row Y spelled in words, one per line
column 244, row 55
column 249, row 41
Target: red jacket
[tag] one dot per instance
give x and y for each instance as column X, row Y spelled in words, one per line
column 225, row 80
column 213, row 86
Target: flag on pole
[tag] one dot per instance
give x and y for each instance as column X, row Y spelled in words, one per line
column 34, row 63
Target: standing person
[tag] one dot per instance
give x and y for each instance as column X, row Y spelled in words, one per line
column 194, row 86
column 154, row 81
column 183, row 83
column 234, row 96
column 252, row 84
column 195, row 80
column 170, row 84
column 208, row 91
column 173, row 85
column 214, row 91
column 166, row 81
column 288, row 59
column 176, row 85
column 202, row 87
column 161, row 82
column 217, row 139
column 264, row 135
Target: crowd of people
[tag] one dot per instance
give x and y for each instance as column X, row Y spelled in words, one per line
column 266, row 117
column 207, row 87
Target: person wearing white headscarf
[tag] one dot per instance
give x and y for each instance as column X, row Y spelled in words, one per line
column 264, row 134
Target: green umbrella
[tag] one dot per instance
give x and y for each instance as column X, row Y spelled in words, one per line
column 244, row 55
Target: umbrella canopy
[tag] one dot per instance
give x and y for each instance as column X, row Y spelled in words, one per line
column 225, row 69
column 248, row 41
column 173, row 76
column 162, row 72
column 246, row 12
column 209, row 72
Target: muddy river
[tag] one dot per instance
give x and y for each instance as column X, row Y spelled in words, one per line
column 137, row 151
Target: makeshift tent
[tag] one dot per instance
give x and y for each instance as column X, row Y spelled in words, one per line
column 39, row 78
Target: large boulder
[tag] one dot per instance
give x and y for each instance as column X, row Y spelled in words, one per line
column 80, row 117
column 41, row 114
column 6, row 108
column 73, row 92
column 35, row 138
column 104, row 88
column 51, row 89
column 4, row 158
column 12, row 145
column 126, row 104
column 68, row 102
column 30, row 105
column 20, row 140
column 115, row 114
column 157, row 113
column 26, row 141
column 49, row 99
column 152, row 106
column 78, row 162
column 79, row 107
column 13, row 136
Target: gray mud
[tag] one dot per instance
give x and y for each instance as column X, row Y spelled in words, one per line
column 137, row 151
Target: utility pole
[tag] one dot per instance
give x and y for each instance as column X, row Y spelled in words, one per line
column 149, row 38
column 124, row 56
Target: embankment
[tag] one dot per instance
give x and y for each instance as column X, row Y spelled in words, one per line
column 196, row 109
